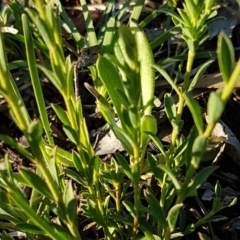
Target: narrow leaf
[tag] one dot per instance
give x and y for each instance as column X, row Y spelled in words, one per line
column 173, row 216
column 195, row 111
column 156, row 210
column 125, row 166
column 170, row 107
column 111, row 78
column 199, row 179
column 215, row 107
column 130, row 208
column 199, row 74
column 226, row 56
column 34, row 181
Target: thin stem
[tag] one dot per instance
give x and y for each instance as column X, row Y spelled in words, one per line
column 180, row 108
column 118, row 190
column 181, row 103
column 136, row 166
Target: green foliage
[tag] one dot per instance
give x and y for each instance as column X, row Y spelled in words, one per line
column 109, row 194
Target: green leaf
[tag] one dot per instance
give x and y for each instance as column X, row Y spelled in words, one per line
column 198, row 149
column 167, row 78
column 170, row 107
column 185, row 17
column 36, row 84
column 216, row 205
column 173, row 14
column 195, row 111
column 30, row 228
column 33, row 180
column 148, row 125
column 209, row 4
column 192, row 12
column 226, row 56
column 173, row 216
column 93, row 167
column 163, row 37
column 52, row 77
column 188, row 152
column 5, row 236
column 52, row 166
column 91, row 210
column 75, row 176
column 158, row 143
column 70, row 203
column 155, row 208
column 215, row 107
column 172, row 176
column 124, row 138
column 125, row 48
column 199, row 74
column 62, row 156
column 147, row 73
column 158, row 173
column 216, row 218
column 62, row 115
column 71, row 134
column 118, row 218
column 181, row 149
column 111, row 78
column 137, row 10
column 77, row 162
column 199, row 179
column 35, row 132
column 218, row 190
column 125, row 166
column 130, row 208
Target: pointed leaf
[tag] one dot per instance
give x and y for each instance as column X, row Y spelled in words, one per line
column 171, row 175
column 34, row 181
column 111, row 78
column 155, row 208
column 62, row 115
column 147, row 73
column 167, row 78
column 226, row 56
column 158, row 143
column 195, row 111
column 215, row 107
column 173, row 216
column 62, row 156
column 30, row 228
column 198, row 149
column 170, row 107
column 130, row 208
column 71, row 134
column 158, row 173
column 199, row 74
column 199, row 179
column 125, row 166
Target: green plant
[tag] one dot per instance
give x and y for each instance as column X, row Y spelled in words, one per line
column 124, row 88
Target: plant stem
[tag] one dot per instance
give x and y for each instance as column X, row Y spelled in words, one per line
column 118, row 206
column 181, row 103
column 136, row 166
column 136, row 205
